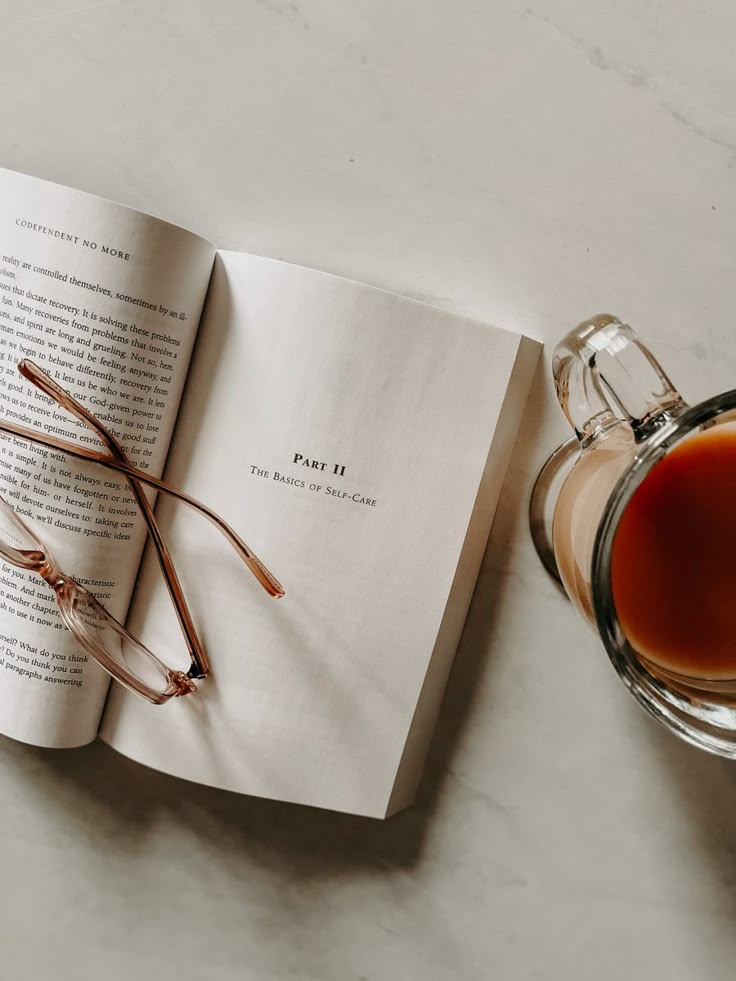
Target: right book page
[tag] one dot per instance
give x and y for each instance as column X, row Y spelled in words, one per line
column 357, row 440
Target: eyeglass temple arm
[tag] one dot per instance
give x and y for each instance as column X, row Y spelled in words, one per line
column 38, row 377
column 269, row 582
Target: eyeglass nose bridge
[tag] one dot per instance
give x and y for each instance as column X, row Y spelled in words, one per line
column 21, row 546
column 34, row 560
column 50, row 571
column 40, row 562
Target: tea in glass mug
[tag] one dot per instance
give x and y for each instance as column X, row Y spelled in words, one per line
column 636, row 516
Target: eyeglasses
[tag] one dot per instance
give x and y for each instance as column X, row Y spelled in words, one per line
column 96, row 630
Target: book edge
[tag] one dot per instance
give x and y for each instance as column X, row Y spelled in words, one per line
column 416, row 746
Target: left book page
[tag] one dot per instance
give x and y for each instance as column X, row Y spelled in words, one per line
column 107, row 300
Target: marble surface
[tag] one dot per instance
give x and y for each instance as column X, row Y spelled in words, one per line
column 526, row 163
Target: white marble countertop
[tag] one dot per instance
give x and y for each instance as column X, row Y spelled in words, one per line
column 525, row 163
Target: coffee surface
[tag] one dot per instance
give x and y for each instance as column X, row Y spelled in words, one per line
column 674, row 559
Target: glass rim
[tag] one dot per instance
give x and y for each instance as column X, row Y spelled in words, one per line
column 67, row 590
column 668, row 706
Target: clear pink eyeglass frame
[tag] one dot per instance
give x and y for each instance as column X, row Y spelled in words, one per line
column 98, row 632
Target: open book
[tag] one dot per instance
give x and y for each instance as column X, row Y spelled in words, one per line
column 355, row 438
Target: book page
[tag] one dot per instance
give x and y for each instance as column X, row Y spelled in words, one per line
column 107, row 301
column 345, row 432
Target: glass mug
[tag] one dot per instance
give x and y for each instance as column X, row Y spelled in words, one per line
column 636, row 516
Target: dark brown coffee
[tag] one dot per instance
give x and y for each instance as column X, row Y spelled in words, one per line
column 674, row 559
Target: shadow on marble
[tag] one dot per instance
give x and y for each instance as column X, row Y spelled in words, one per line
column 704, row 786
column 119, row 802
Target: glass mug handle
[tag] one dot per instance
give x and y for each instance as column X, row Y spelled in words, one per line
column 604, row 376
